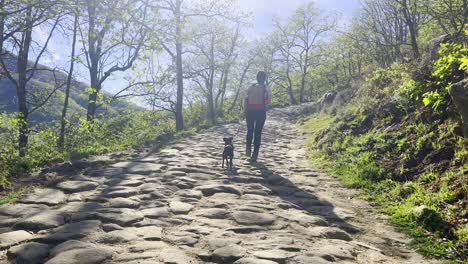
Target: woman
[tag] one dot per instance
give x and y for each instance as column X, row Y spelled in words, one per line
column 255, row 103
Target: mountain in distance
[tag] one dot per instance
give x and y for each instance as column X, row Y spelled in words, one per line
column 42, row 83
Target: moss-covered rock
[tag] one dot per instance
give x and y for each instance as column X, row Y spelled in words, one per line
column 459, row 94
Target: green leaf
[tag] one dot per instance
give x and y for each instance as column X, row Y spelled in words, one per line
column 464, row 64
column 426, row 101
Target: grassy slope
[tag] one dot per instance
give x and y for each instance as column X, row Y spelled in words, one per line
column 411, row 162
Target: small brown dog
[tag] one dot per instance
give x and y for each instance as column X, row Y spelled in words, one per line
column 228, row 153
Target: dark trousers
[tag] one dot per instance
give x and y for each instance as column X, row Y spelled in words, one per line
column 255, row 122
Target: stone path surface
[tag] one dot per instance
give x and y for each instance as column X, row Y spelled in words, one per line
column 180, row 206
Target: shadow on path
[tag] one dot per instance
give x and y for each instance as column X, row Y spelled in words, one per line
column 294, row 195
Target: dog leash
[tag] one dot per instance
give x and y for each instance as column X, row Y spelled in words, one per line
column 238, row 128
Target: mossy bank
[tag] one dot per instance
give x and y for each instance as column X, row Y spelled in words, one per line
column 399, row 140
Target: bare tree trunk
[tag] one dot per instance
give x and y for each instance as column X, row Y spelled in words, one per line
column 412, row 26
column 291, row 91
column 69, row 79
column 210, row 83
column 94, row 60
column 241, row 83
column 180, row 79
column 303, row 83
column 23, row 57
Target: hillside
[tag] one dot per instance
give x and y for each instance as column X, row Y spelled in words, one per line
column 42, row 82
column 398, row 136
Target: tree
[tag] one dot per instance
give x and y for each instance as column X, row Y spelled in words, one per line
column 412, row 17
column 205, row 64
column 450, row 15
column 229, row 55
column 113, row 35
column 176, row 15
column 309, row 27
column 61, row 142
column 286, row 45
column 243, row 68
column 30, row 15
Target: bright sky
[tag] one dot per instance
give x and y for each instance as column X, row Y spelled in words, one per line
column 263, row 11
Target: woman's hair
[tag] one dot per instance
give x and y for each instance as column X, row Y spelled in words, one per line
column 261, row 77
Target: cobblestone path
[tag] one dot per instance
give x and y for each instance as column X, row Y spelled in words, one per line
column 180, row 206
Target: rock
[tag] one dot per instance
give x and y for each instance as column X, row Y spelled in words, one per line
column 251, row 218
column 209, row 190
column 459, row 94
column 251, row 260
column 155, row 212
column 213, row 213
column 175, row 256
column 126, row 183
column 222, row 242
column 72, row 231
column 190, row 194
column 20, row 209
column 429, row 56
column 142, row 246
column 310, row 259
column 120, row 216
column 78, row 207
column 7, row 221
column 276, row 255
column 136, row 258
column 118, row 236
column 336, row 251
column 75, row 197
column 144, row 168
column 124, row 202
column 150, row 233
column 307, row 220
column 180, row 207
column 13, row 238
column 44, row 196
column 111, row 227
column 330, row 233
column 176, row 173
column 82, row 256
column 149, row 187
column 77, row 186
column 70, row 245
column 29, row 253
column 39, row 221
column 229, row 253
column 107, row 172
column 328, row 97
column 183, row 238
column 246, row 230
column 124, row 192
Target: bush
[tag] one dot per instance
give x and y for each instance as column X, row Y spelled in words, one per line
column 120, row 132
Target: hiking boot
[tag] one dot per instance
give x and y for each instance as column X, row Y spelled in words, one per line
column 248, row 151
column 254, row 156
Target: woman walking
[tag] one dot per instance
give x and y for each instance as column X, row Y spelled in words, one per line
column 255, row 103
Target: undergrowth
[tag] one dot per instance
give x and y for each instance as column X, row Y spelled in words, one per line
column 399, row 141
column 83, row 139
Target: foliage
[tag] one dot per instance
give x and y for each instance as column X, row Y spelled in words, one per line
column 448, row 69
column 131, row 129
column 406, row 157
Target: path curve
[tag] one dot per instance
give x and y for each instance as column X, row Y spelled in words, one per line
column 179, row 206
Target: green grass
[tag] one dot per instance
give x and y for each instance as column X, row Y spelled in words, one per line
column 356, row 161
column 10, row 198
